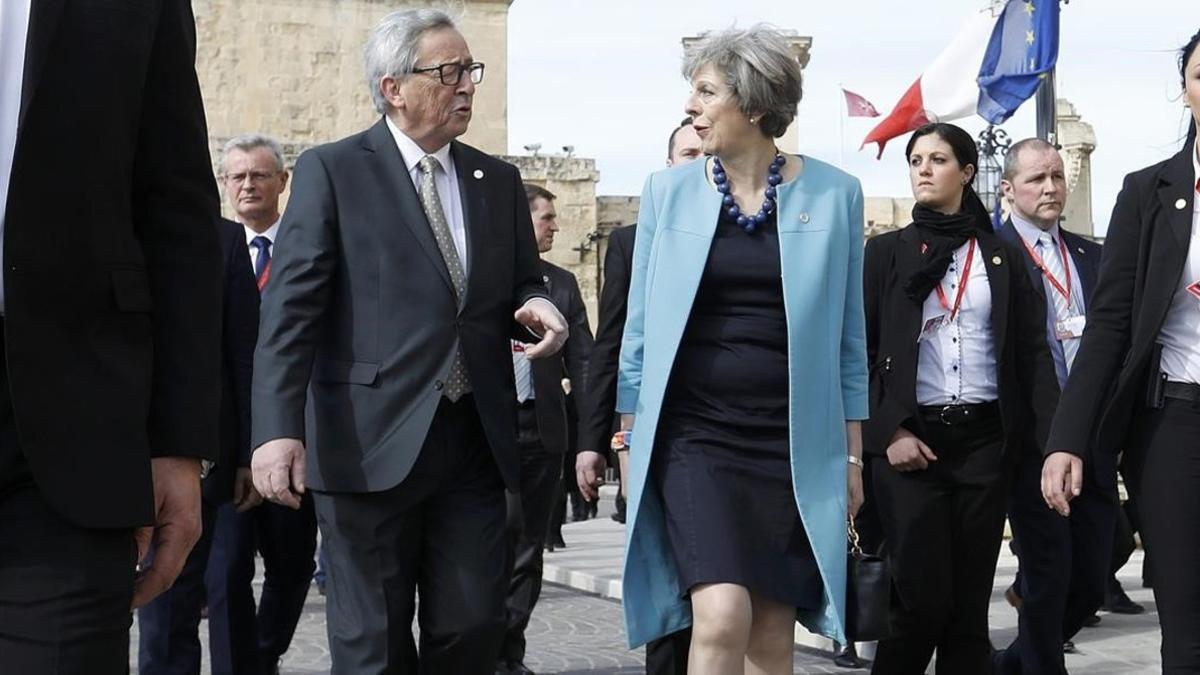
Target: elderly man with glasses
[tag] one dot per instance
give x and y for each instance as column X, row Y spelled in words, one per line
column 383, row 377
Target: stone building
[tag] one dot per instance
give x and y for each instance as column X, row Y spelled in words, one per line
column 294, row 70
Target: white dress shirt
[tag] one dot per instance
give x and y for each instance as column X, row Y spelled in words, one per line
column 446, row 181
column 1180, row 334
column 1029, row 233
column 271, row 233
column 957, row 364
column 14, row 28
column 522, row 372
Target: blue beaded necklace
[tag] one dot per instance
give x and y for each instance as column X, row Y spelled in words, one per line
column 730, row 207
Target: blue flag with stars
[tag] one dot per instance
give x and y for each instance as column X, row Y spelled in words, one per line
column 1023, row 48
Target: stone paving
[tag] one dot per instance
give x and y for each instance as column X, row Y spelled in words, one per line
column 577, row 627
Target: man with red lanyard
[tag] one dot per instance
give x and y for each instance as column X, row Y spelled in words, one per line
column 1063, row 561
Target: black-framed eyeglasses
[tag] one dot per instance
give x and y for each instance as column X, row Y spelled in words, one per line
column 450, row 74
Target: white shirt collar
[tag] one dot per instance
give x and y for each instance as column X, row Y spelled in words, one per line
column 1196, row 174
column 1030, row 232
column 271, row 233
column 413, row 153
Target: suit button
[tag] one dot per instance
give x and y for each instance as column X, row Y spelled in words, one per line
column 438, row 385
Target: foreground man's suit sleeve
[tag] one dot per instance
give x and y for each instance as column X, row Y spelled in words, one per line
column 112, row 273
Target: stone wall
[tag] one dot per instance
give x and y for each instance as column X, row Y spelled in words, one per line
column 294, row 70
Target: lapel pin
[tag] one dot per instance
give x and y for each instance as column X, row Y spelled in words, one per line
column 1181, row 204
column 545, row 278
column 478, row 174
column 1080, row 249
column 804, row 217
column 996, row 260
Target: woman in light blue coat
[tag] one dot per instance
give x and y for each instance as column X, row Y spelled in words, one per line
column 743, row 375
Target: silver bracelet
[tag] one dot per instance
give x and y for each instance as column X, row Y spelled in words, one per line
column 855, row 461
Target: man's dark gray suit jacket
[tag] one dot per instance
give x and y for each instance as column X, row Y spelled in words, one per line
column 359, row 321
column 571, row 362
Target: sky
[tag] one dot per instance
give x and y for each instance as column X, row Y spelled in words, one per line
column 603, row 76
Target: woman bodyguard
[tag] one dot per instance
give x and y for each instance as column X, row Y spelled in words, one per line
column 1136, row 381
column 961, row 378
column 744, row 365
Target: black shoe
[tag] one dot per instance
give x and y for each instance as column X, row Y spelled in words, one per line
column 557, row 541
column 1069, row 647
column 1120, row 603
column 1092, row 621
column 846, row 656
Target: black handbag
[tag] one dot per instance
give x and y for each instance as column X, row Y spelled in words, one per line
column 868, row 593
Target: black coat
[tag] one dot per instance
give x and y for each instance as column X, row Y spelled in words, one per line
column 572, row 362
column 112, row 270
column 1028, row 387
column 1144, row 255
column 239, row 331
column 596, row 428
column 360, row 321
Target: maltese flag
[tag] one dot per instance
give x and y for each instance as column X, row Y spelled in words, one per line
column 857, row 106
column 948, row 89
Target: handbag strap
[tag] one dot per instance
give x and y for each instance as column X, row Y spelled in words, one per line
column 852, row 537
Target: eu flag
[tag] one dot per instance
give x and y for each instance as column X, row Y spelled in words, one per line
column 1023, row 48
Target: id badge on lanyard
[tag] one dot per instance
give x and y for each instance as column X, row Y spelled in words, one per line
column 935, row 324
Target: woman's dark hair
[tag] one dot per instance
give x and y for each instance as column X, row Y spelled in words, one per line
column 966, row 152
column 1185, row 55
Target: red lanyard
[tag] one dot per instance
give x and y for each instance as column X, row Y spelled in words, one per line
column 962, row 284
column 1041, row 265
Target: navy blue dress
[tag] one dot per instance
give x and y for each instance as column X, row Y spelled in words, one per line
column 721, row 460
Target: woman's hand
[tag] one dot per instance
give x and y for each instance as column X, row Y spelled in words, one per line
column 854, row 489
column 854, row 477
column 908, row 453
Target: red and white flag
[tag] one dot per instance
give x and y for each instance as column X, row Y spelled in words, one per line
column 947, row 90
column 857, row 106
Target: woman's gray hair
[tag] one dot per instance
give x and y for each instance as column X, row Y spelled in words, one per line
column 248, row 142
column 759, row 68
column 391, row 49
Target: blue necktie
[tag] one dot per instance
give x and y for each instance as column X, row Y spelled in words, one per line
column 264, row 257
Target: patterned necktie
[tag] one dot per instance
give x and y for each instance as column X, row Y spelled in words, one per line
column 262, row 264
column 457, row 383
column 1062, row 308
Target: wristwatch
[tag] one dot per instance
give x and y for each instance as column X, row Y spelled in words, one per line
column 620, row 441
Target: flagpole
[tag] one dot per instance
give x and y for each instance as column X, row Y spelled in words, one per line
column 1047, row 109
column 841, row 127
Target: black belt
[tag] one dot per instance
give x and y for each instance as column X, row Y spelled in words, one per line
column 951, row 415
column 1184, row 391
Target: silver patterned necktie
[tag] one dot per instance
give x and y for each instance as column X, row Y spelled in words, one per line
column 1062, row 307
column 457, row 383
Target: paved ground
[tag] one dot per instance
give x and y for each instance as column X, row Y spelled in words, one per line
column 577, row 627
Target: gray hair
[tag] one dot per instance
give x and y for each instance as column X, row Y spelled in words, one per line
column 759, row 68
column 248, row 142
column 1012, row 158
column 391, row 49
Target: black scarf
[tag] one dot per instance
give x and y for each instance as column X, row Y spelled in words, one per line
column 941, row 235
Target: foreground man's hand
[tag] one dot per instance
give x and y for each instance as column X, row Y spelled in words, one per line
column 176, row 525
column 589, row 473
column 543, row 318
column 1062, row 481
column 278, row 468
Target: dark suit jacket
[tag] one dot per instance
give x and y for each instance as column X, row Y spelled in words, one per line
column 595, row 430
column 239, row 331
column 550, row 401
column 359, row 321
column 1085, row 253
column 1144, row 255
column 1028, row 387
column 112, row 275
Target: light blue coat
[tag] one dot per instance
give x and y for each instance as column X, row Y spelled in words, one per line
column 821, row 248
